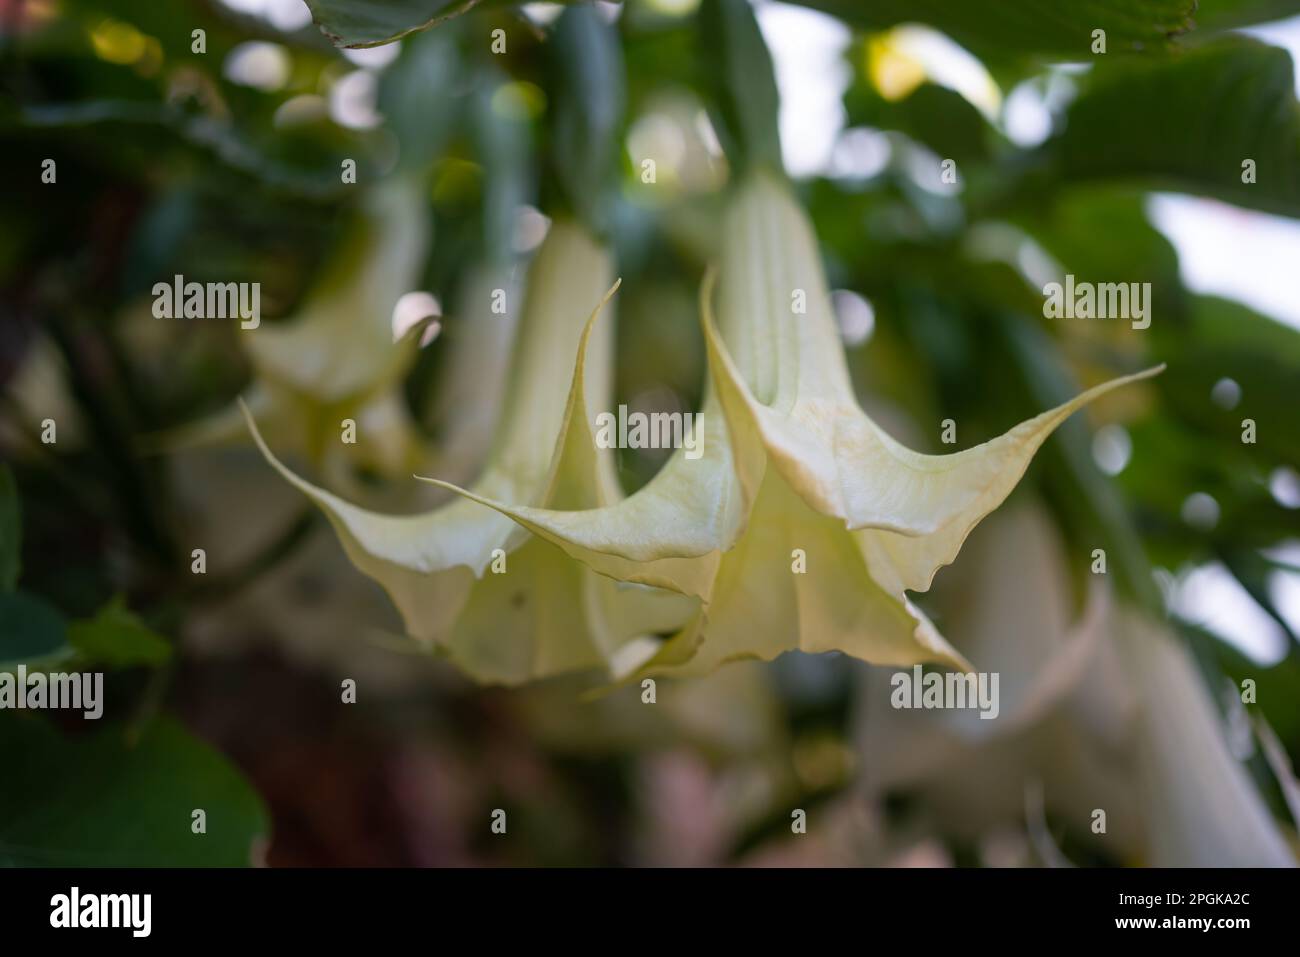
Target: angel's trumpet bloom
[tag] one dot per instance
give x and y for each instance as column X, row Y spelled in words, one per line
column 337, row 359
column 1201, row 808
column 1106, row 712
column 1064, row 712
column 817, row 551
column 505, row 606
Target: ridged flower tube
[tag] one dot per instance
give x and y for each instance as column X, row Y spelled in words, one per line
column 803, row 524
column 505, row 606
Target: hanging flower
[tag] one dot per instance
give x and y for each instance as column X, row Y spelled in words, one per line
column 337, row 359
column 505, row 606
column 1106, row 713
column 805, row 528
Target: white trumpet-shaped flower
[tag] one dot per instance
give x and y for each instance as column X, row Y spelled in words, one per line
column 337, row 359
column 1201, row 807
column 1103, row 713
column 505, row 606
column 807, row 524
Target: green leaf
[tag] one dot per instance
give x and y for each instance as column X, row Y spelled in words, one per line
column 740, row 71
column 117, row 637
column 11, row 531
column 1226, row 14
column 1047, row 28
column 217, row 140
column 1224, row 339
column 500, row 127
column 1134, row 251
column 933, row 115
column 415, row 95
column 586, row 63
column 94, row 799
column 1188, row 123
column 372, row 23
column 31, row 631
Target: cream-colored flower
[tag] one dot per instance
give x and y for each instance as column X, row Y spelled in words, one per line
column 337, row 358
column 1201, row 808
column 1103, row 713
column 504, row 605
column 793, row 471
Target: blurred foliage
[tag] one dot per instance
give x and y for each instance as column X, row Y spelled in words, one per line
column 1031, row 27
column 96, row 800
column 1194, row 120
column 171, row 161
column 364, row 23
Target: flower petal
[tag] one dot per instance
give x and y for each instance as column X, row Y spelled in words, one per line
column 760, row 606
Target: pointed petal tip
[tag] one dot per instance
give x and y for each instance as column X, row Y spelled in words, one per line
column 1148, row 373
column 440, row 484
column 473, row 496
column 604, row 301
column 311, row 491
column 257, row 434
column 959, row 662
